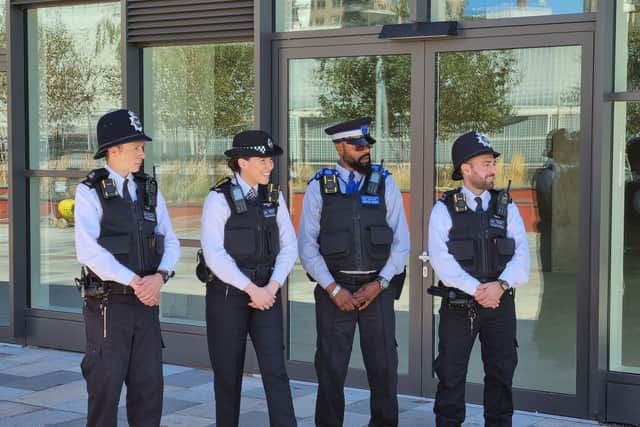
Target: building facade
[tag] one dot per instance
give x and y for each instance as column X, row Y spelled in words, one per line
column 555, row 84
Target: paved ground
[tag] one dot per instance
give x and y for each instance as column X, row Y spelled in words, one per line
column 42, row 387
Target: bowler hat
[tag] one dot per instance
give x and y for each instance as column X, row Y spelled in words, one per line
column 118, row 127
column 253, row 143
column 354, row 132
column 467, row 146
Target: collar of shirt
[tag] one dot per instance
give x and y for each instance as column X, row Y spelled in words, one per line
column 120, row 182
column 470, row 198
column 237, row 179
column 344, row 173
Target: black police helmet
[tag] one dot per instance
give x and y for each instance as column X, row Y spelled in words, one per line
column 253, row 143
column 467, row 146
column 118, row 127
column 354, row 132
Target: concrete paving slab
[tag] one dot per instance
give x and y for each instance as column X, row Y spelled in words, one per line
column 10, row 409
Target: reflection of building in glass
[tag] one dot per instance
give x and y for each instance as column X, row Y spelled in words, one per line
column 302, row 14
column 458, row 9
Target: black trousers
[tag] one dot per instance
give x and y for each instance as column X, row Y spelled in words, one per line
column 497, row 330
column 229, row 319
column 335, row 330
column 131, row 353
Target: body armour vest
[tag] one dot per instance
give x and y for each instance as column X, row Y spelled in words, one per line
column 127, row 229
column 252, row 237
column 478, row 240
column 354, row 234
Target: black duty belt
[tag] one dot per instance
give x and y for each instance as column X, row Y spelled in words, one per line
column 353, row 279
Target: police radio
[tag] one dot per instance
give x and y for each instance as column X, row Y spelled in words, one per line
column 374, row 180
column 502, row 203
column 151, row 191
column 459, row 202
column 108, row 188
column 238, row 199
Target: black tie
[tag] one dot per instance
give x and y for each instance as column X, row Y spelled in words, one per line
column 251, row 194
column 125, row 191
column 478, row 204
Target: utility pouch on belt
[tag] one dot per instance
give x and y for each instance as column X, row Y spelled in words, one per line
column 203, row 273
column 89, row 287
column 397, row 282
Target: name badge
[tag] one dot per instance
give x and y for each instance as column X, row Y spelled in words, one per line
column 150, row 216
column 369, row 200
column 497, row 223
column 269, row 212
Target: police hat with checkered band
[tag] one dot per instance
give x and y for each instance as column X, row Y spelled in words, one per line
column 467, row 146
column 253, row 143
column 118, row 127
column 354, row 132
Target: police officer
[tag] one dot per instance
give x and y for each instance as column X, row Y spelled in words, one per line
column 478, row 248
column 125, row 241
column 249, row 246
column 353, row 240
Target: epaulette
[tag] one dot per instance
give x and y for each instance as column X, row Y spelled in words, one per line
column 447, row 194
column 217, row 187
column 323, row 172
column 95, row 176
column 384, row 172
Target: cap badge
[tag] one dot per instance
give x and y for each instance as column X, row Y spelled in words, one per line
column 364, row 129
column 135, row 121
column 482, row 139
column 269, row 143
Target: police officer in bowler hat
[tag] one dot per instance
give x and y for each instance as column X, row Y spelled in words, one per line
column 126, row 243
column 353, row 241
column 478, row 248
column 249, row 246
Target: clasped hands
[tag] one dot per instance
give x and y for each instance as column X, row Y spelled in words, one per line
column 488, row 294
column 347, row 301
column 147, row 288
column 262, row 298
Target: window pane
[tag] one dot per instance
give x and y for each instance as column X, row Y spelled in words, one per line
column 455, row 10
column 295, row 15
column 4, row 205
column 3, row 23
column 627, row 51
column 53, row 256
column 321, row 93
column 182, row 298
column 624, row 354
column 74, row 77
column 529, row 107
column 196, row 98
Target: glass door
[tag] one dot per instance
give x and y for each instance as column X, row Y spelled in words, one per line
column 531, row 97
column 325, row 86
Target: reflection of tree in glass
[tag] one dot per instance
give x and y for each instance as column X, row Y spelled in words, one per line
column 473, row 91
column 205, row 89
column 361, row 13
column 633, row 68
column 351, row 90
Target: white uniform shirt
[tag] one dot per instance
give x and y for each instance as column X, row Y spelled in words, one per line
column 215, row 214
column 450, row 271
column 309, row 248
column 88, row 215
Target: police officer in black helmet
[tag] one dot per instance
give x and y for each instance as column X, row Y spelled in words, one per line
column 354, row 242
column 249, row 247
column 128, row 249
column 478, row 248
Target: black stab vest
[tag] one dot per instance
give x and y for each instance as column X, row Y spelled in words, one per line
column 252, row 238
column 354, row 235
column 127, row 229
column 478, row 240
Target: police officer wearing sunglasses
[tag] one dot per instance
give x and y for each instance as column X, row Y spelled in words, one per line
column 354, row 242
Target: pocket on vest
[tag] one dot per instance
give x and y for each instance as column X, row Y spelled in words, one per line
column 380, row 238
column 463, row 251
column 335, row 244
column 240, row 242
column 116, row 245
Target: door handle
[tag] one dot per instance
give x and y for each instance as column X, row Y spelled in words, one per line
column 424, row 257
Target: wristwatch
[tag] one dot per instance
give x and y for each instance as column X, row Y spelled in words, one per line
column 504, row 284
column 165, row 275
column 384, row 283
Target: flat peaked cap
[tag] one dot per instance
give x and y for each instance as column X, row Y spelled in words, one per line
column 253, row 143
column 118, row 127
column 467, row 146
column 355, row 132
